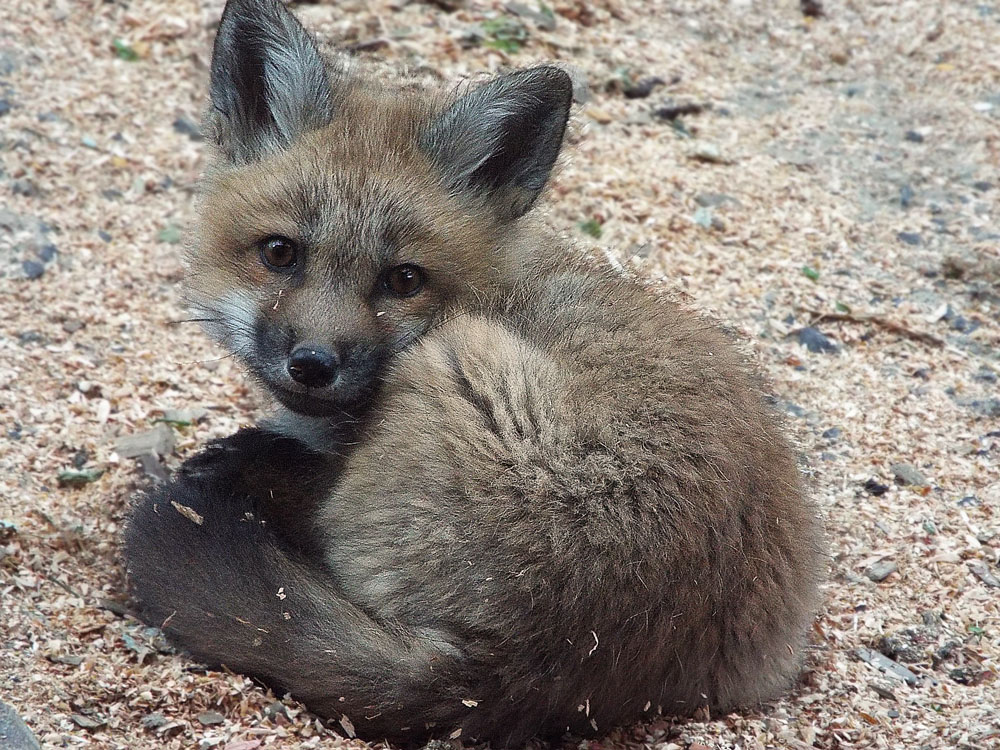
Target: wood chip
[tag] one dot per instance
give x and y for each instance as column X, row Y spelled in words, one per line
column 189, row 513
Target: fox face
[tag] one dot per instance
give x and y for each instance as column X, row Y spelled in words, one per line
column 339, row 225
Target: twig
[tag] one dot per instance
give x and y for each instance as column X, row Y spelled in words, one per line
column 892, row 327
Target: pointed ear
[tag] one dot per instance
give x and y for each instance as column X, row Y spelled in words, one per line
column 498, row 143
column 269, row 82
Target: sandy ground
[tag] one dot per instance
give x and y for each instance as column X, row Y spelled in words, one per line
column 841, row 166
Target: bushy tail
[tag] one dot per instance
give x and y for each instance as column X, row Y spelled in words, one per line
column 223, row 559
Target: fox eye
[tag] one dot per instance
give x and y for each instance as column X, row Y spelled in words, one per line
column 279, row 253
column 405, row 280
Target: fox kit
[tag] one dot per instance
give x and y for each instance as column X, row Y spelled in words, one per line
column 512, row 493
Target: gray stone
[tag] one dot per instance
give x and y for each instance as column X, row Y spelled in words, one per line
column 908, row 475
column 32, row 269
column 544, row 21
column 210, row 718
column 711, row 200
column 14, row 733
column 886, row 666
column 10, row 61
column 157, row 441
column 983, row 573
column 815, row 341
column 153, row 721
column 188, row 127
column 881, row 570
column 24, row 187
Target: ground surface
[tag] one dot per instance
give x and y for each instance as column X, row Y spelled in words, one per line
column 846, row 165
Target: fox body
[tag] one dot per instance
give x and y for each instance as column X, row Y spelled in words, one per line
column 513, row 493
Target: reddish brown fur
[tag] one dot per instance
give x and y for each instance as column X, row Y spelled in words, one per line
column 564, row 505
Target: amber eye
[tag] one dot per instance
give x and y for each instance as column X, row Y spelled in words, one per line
column 405, row 280
column 279, row 253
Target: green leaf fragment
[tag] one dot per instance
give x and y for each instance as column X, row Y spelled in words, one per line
column 124, row 50
column 176, row 423
column 811, row 273
column 841, row 307
column 678, row 126
column 592, row 227
column 72, row 478
column 506, row 34
column 170, row 234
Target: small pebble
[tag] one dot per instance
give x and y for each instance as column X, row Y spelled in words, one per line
column 832, row 434
column 910, row 238
column 963, row 675
column 104, row 235
column 984, row 574
column 876, row 488
column 32, row 269
column 642, row 88
column 188, row 127
column 815, row 341
column 5, row 107
column 711, row 200
column 886, row 666
column 159, row 441
column 984, row 407
column 27, row 188
column 908, row 475
column 982, row 186
column 48, row 252
column 211, row 718
column 883, row 692
column 986, row 375
column 709, row 153
column 881, row 570
column 905, row 196
column 275, row 709
column 913, row 136
column 153, row 721
column 811, row 8
column 794, row 409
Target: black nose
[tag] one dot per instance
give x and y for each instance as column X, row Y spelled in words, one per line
column 314, row 368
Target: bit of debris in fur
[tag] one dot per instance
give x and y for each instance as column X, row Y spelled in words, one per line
column 189, row 513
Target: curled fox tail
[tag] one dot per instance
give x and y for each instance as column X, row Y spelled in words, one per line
column 224, row 559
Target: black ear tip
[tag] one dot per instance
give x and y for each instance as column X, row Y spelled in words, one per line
column 553, row 81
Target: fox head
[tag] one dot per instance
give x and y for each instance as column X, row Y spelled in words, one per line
column 340, row 223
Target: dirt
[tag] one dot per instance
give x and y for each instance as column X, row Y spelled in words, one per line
column 835, row 173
